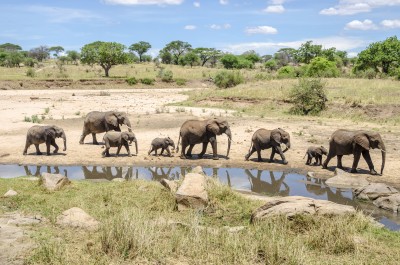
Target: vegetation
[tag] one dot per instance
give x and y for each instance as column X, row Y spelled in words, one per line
column 140, row 48
column 147, row 81
column 308, row 97
column 226, row 79
column 131, row 81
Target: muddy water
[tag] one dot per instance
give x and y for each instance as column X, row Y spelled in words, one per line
column 259, row 181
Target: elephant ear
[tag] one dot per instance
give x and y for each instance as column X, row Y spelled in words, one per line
column 318, row 151
column 276, row 136
column 125, row 136
column 112, row 119
column 212, row 126
column 362, row 140
column 50, row 132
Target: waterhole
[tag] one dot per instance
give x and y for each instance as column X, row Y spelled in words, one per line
column 274, row 183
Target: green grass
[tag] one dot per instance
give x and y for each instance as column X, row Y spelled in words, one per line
column 134, row 229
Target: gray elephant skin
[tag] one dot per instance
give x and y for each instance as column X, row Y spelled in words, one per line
column 315, row 152
column 118, row 139
column 264, row 139
column 195, row 132
column 99, row 122
column 162, row 143
column 357, row 143
column 44, row 134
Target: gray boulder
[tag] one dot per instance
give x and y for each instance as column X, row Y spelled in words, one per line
column 192, row 192
column 294, row 205
column 10, row 193
column 391, row 202
column 374, row 191
column 77, row 218
column 342, row 179
column 54, row 182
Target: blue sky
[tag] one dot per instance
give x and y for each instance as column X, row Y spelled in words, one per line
column 230, row 25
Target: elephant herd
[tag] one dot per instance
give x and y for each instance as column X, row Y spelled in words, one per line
column 192, row 132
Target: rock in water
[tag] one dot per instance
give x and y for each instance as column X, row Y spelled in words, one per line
column 192, row 193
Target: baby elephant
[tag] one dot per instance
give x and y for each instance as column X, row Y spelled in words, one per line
column 315, row 152
column 44, row 134
column 162, row 143
column 118, row 139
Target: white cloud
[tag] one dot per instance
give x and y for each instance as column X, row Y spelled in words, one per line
column 274, row 9
column 391, row 24
column 261, row 30
column 196, row 4
column 223, row 2
column 144, row 2
column 351, row 7
column 218, row 27
column 61, row 15
column 277, row 2
column 190, row 27
column 361, row 25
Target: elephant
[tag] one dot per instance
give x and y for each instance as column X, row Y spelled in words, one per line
column 259, row 185
column 346, row 142
column 99, row 122
column 264, row 139
column 44, row 134
column 203, row 131
column 119, row 139
column 315, row 152
column 162, row 143
column 109, row 173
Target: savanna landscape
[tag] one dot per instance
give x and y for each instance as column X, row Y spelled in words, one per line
column 309, row 92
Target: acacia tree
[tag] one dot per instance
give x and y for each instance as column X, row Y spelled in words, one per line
column 177, row 48
column 9, row 47
column 106, row 54
column 205, row 54
column 40, row 53
column 73, row 56
column 307, row 52
column 140, row 48
column 190, row 58
column 56, row 50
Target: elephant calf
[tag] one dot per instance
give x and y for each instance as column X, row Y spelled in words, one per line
column 118, row 139
column 264, row 139
column 315, row 152
column 44, row 134
column 162, row 143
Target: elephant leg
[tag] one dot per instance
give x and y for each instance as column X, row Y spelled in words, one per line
column 357, row 155
column 189, row 152
column 328, row 158
column 184, row 145
column 318, row 160
column 279, row 151
column 368, row 159
column 150, row 150
column 258, row 149
column 27, row 144
column 155, row 151
column 127, row 149
column 309, row 158
column 339, row 161
column 168, row 151
column 107, row 149
column 53, row 143
column 94, row 138
column 48, row 143
column 253, row 149
column 37, row 149
column 271, row 158
column 203, row 151
column 162, row 151
column 84, row 133
column 213, row 141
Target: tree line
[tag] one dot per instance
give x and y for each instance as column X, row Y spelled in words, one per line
column 382, row 57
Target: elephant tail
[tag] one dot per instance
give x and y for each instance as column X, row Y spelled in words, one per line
column 304, row 155
column 177, row 145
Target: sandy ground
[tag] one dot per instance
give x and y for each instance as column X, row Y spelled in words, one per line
column 150, row 118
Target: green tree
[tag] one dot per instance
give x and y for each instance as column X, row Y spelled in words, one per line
column 106, row 54
column 40, row 53
column 285, row 56
column 177, row 48
column 307, row 52
column 140, row 48
column 229, row 61
column 73, row 56
column 57, row 50
column 9, row 47
column 251, row 56
column 322, row 67
column 205, row 54
column 190, row 58
column 14, row 59
column 383, row 55
column 271, row 65
column 165, row 56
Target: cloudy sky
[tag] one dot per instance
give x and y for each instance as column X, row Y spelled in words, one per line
column 230, row 25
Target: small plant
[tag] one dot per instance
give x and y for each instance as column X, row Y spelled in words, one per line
column 165, row 75
column 287, row 72
column 77, row 113
column 27, row 119
column 104, row 93
column 180, row 110
column 30, row 72
column 33, row 118
column 46, row 110
column 225, row 79
column 308, row 97
column 180, row 81
column 131, row 81
column 147, row 81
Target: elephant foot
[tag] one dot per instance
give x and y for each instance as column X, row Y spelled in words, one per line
column 373, row 172
column 200, row 156
column 183, row 157
column 129, row 155
column 188, row 155
column 215, row 158
column 324, row 166
column 285, row 162
column 80, row 142
column 307, row 164
column 24, row 153
column 353, row 170
column 55, row 151
column 39, row 153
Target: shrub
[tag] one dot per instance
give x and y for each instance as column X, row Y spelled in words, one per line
column 180, row 81
column 131, row 81
column 225, row 79
column 369, row 73
column 321, row 67
column 147, row 81
column 166, row 76
column 287, row 72
column 308, row 97
column 271, row 65
column 243, row 63
column 30, row 72
column 229, row 61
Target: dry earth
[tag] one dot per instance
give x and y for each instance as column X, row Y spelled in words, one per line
column 150, row 118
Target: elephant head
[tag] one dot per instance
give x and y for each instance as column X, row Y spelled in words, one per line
column 218, row 127
column 116, row 118
column 372, row 140
column 130, row 137
column 322, row 150
column 170, row 142
column 56, row 132
column 279, row 136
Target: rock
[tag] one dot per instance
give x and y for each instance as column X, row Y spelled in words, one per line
column 374, row 191
column 310, row 174
column 10, row 193
column 171, row 185
column 20, row 220
column 198, row 170
column 119, row 180
column 192, row 193
column 391, row 202
column 77, row 218
column 54, row 182
column 342, row 179
column 293, row 205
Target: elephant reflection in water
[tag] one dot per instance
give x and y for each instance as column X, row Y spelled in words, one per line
column 100, row 172
column 56, row 170
column 260, row 186
column 318, row 187
column 159, row 173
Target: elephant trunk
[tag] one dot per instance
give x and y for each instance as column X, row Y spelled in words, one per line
column 128, row 124
column 383, row 150
column 287, row 147
column 229, row 134
column 65, row 141
column 136, row 146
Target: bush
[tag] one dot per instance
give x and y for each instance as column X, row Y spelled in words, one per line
column 180, row 81
column 147, row 81
column 321, row 67
column 229, row 61
column 243, row 63
column 308, row 97
column 225, row 79
column 271, row 65
column 166, row 76
column 30, row 72
column 287, row 72
column 131, row 81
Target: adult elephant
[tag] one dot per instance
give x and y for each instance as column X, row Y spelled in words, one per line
column 44, row 134
column 206, row 131
column 346, row 142
column 99, row 122
column 264, row 139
